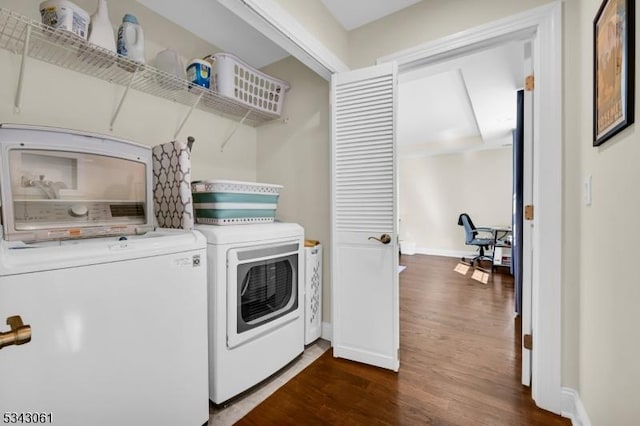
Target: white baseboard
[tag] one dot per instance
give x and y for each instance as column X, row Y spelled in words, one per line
column 573, row 408
column 445, row 253
column 327, row 331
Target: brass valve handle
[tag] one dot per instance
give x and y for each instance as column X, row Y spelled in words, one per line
column 384, row 238
column 19, row 334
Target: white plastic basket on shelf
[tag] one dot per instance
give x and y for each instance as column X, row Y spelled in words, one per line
column 227, row 202
column 238, row 80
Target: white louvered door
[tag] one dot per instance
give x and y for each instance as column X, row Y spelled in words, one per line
column 365, row 305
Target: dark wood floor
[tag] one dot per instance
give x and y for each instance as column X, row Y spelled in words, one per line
column 459, row 363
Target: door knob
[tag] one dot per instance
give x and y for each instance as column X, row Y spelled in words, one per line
column 384, row 238
column 19, row 334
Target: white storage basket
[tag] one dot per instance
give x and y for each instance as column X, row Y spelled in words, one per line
column 238, row 80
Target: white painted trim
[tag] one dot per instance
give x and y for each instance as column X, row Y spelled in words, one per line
column 547, row 236
column 521, row 24
column 544, row 25
column 275, row 23
column 573, row 408
column 327, row 331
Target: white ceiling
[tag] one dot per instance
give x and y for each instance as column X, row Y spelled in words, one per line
column 355, row 13
column 215, row 24
column 462, row 104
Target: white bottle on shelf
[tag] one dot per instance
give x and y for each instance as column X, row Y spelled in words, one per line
column 131, row 39
column 100, row 29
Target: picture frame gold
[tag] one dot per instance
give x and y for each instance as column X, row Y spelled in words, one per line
column 613, row 68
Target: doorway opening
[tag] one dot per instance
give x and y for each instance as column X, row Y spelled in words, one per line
column 544, row 26
column 457, row 122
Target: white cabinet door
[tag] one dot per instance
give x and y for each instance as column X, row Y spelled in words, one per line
column 365, row 304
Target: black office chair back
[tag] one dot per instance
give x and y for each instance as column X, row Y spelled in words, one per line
column 469, row 228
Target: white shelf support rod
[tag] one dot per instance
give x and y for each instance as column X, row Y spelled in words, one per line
column 184, row 120
column 235, row 129
column 124, row 95
column 23, row 63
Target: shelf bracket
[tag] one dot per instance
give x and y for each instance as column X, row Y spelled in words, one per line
column 283, row 120
column 235, row 129
column 23, row 63
column 124, row 95
column 184, row 120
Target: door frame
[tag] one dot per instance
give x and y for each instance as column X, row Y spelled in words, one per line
column 543, row 25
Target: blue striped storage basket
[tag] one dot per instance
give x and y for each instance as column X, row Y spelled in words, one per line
column 227, row 202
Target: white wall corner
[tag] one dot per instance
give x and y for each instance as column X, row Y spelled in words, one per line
column 573, row 408
column 327, row 331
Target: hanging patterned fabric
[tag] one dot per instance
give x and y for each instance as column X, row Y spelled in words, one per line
column 173, row 204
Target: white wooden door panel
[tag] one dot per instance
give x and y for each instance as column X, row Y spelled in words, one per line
column 364, row 273
column 365, row 327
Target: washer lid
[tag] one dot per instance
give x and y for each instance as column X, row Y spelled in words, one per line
column 250, row 233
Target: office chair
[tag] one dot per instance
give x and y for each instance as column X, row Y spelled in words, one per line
column 472, row 238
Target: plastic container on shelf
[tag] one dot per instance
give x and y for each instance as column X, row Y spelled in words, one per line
column 169, row 62
column 131, row 39
column 65, row 15
column 100, row 29
column 199, row 73
column 235, row 79
column 227, row 202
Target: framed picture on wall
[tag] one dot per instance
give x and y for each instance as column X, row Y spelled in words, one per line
column 613, row 68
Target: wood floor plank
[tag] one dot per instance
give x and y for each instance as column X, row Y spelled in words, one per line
column 459, row 363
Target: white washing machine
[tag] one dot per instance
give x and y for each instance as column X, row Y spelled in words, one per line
column 106, row 319
column 256, row 303
column 118, row 331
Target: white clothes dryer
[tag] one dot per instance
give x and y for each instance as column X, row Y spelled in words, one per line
column 256, row 303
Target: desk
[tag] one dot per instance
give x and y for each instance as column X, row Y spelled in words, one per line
column 502, row 238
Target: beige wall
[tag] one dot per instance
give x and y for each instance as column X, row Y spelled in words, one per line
column 57, row 97
column 610, row 288
column 296, row 155
column 317, row 19
column 433, row 191
column 574, row 80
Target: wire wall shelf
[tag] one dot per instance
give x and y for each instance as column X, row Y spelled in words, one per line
column 29, row 38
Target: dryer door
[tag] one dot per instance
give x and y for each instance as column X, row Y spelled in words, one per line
column 262, row 291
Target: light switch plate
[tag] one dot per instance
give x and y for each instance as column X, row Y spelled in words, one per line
column 587, row 191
